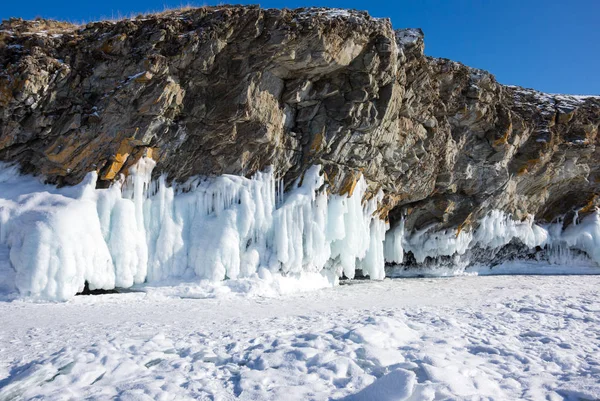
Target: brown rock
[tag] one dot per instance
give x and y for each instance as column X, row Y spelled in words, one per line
column 235, row 89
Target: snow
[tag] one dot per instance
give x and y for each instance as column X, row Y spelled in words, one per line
column 554, row 99
column 327, row 12
column 332, row 14
column 408, row 36
column 496, row 338
column 398, row 385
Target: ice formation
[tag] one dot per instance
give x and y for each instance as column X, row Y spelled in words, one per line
column 494, row 231
column 53, row 241
column 208, row 228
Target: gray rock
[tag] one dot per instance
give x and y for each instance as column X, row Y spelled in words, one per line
column 234, row 89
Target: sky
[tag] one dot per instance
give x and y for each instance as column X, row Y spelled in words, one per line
column 549, row 45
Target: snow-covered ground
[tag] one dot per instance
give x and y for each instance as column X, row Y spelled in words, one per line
column 496, row 337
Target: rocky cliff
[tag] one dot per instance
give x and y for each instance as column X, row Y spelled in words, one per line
column 231, row 89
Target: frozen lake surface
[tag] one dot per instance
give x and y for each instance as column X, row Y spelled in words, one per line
column 492, row 337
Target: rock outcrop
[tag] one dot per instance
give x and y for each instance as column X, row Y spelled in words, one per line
column 236, row 89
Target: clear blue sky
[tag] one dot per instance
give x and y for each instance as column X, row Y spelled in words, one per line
column 550, row 45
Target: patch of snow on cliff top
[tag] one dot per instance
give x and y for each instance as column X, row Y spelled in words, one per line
column 408, row 36
column 335, row 13
column 553, row 97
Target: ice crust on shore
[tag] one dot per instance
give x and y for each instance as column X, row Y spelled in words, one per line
column 496, row 230
column 53, row 241
column 138, row 231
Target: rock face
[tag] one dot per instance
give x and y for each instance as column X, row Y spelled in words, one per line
column 236, row 89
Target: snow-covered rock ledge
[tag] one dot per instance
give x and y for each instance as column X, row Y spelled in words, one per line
column 53, row 241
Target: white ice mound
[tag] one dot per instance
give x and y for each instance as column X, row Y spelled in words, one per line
column 209, row 228
column 54, row 239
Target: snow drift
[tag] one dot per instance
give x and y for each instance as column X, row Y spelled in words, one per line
column 53, row 241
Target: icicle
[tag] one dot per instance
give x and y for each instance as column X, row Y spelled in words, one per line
column 394, row 243
column 585, row 236
column 216, row 228
column 357, row 234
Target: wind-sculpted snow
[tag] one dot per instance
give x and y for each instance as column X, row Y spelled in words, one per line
column 465, row 338
column 54, row 241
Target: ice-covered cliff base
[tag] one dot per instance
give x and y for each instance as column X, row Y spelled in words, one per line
column 53, row 241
